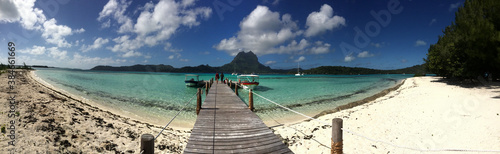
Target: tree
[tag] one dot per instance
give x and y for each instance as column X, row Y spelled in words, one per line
column 470, row 46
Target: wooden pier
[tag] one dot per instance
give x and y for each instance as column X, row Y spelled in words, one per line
column 225, row 124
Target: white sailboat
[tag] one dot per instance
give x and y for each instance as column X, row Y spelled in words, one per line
column 298, row 70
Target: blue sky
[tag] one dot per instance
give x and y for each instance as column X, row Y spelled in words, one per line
column 388, row 34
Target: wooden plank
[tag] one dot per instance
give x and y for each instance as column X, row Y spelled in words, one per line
column 226, row 125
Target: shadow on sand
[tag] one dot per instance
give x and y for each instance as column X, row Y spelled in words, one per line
column 473, row 83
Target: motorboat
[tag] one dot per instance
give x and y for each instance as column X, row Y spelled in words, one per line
column 192, row 80
column 248, row 81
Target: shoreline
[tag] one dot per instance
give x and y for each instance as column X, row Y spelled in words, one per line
column 52, row 121
column 289, row 120
column 89, row 102
column 360, row 102
column 296, row 119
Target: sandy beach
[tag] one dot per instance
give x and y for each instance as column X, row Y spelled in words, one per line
column 52, row 122
column 421, row 113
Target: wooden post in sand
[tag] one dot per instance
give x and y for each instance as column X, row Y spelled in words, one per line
column 236, row 89
column 147, row 144
column 198, row 101
column 336, row 136
column 250, row 100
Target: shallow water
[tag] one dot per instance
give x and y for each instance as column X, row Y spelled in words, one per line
column 157, row 97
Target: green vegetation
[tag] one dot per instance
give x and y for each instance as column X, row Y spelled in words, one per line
column 341, row 70
column 25, row 67
column 470, row 46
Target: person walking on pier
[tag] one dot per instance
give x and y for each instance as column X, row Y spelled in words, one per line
column 217, row 78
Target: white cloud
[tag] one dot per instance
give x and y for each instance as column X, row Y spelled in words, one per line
column 320, row 48
column 184, row 60
column 259, row 32
column 131, row 54
column 365, row 54
column 270, row 62
column 22, row 11
column 98, row 43
column 266, row 32
column 8, row 11
column 301, row 58
column 54, row 52
column 420, row 43
column 171, row 57
column 36, row 50
column 56, row 34
column 349, row 58
column 454, row 6
column 155, row 24
column 116, row 10
column 31, row 18
column 404, row 60
column 322, row 21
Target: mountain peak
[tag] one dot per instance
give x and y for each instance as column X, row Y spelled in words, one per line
column 245, row 62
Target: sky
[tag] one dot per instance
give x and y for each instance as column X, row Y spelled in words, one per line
column 382, row 34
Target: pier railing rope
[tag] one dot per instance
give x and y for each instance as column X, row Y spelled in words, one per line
column 147, row 142
column 376, row 140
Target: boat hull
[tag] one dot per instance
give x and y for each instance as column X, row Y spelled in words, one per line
column 249, row 85
column 194, row 83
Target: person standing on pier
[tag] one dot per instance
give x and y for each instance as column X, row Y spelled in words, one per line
column 217, row 78
column 222, row 77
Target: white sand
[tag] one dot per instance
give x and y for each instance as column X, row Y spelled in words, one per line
column 423, row 113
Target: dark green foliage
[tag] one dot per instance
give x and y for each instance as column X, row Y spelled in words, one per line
column 25, row 67
column 342, row 70
column 137, row 68
column 470, row 47
column 2, row 66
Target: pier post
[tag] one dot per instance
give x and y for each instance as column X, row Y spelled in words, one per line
column 147, row 144
column 198, row 102
column 250, row 100
column 336, row 136
column 206, row 88
column 229, row 84
column 236, row 89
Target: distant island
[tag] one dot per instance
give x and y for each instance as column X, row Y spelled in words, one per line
column 247, row 62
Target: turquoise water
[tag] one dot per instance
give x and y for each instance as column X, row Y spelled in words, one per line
column 156, row 97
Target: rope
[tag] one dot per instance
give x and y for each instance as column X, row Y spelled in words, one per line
column 290, row 109
column 336, row 147
column 376, row 140
column 176, row 115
